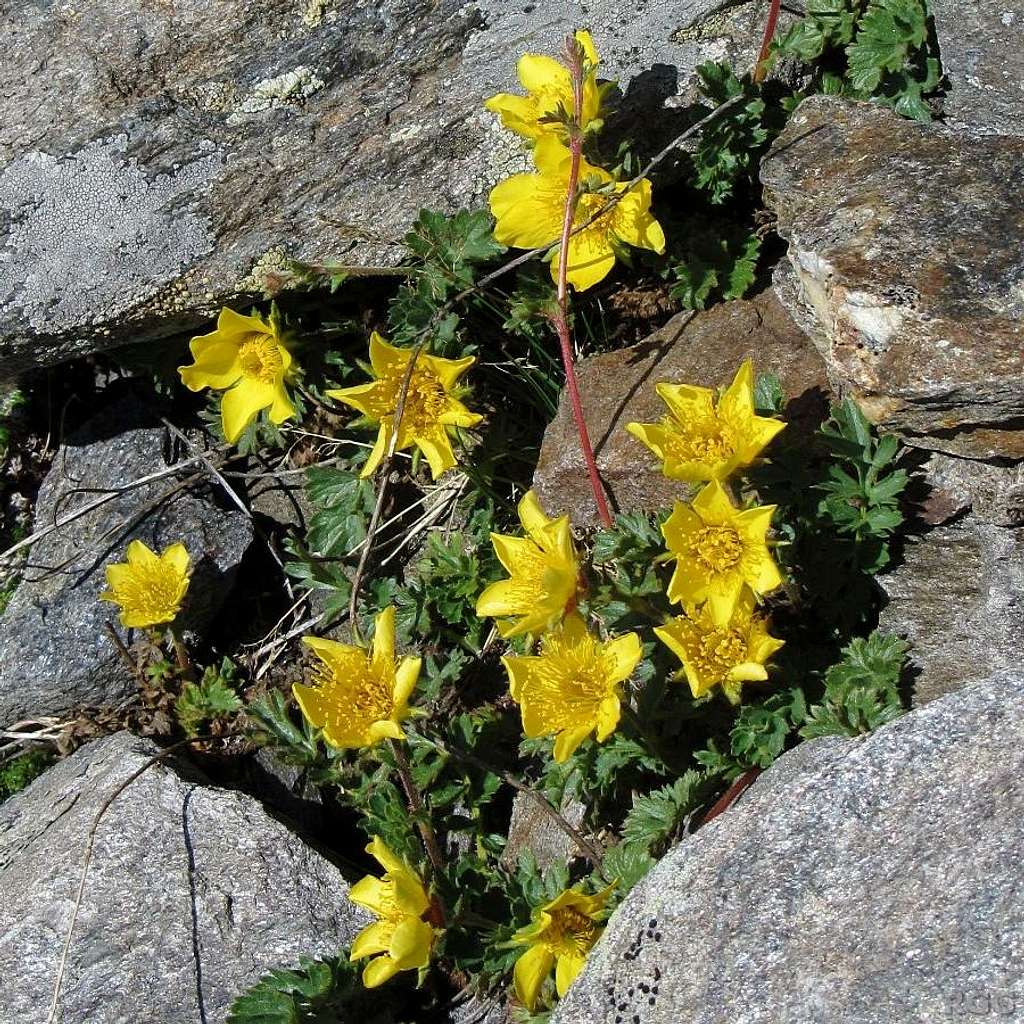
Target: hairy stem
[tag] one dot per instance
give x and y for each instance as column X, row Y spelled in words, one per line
column 561, row 320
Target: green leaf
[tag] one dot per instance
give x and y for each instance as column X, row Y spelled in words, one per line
column 657, row 818
column 628, row 864
column 212, row 698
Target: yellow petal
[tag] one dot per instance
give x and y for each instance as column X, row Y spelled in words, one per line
column 438, row 451
column 566, row 971
column 410, row 896
column 568, row 740
column 530, row 971
column 215, row 363
column 410, row 944
column 748, row 672
column 378, row 971
column 586, row 41
column 139, row 553
column 632, row 221
column 687, row 403
column 384, row 856
column 373, row 939
column 384, row 730
column 680, row 526
column 386, row 358
column 384, row 638
column 528, row 210
column 372, row 894
column 591, row 258
column 608, row 715
column 447, row 371
column 531, row 515
column 514, row 553
column 240, row 406
column 713, row 505
column 406, row 675
column 177, row 556
column 541, row 73
column 723, row 593
column 498, row 600
column 621, row 656
column 362, row 397
column 738, row 400
column 377, row 453
column 281, row 408
column 231, row 324
column 519, row 671
column 518, row 113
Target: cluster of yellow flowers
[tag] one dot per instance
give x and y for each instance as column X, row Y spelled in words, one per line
column 722, row 559
column 530, row 208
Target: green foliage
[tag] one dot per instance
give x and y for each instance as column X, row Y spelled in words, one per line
column 211, row 700
column 19, row 771
column 862, row 692
column 729, row 150
column 325, row 991
column 628, row 863
column 447, row 252
column 883, row 50
column 625, row 560
column 659, row 817
column 720, row 262
column 864, row 488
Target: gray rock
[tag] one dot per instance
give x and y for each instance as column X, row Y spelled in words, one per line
column 982, row 47
column 192, row 894
column 532, row 830
column 158, row 161
column 619, row 387
column 905, row 243
column 880, row 883
column 957, row 592
column 55, row 653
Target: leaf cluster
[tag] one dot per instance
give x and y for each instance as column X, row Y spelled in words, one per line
column 883, row 50
column 719, row 262
column 211, row 700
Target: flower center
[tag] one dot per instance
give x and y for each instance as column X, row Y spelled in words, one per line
column 573, row 682
column 707, row 445
column 260, row 358
column 570, row 932
column 153, row 591
column 714, row 652
column 716, row 548
column 425, row 400
column 355, row 703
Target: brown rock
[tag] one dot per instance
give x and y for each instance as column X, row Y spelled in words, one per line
column 905, row 240
column 618, row 387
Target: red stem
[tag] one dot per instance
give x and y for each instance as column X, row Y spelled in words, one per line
column 732, row 794
column 561, row 321
column 761, row 67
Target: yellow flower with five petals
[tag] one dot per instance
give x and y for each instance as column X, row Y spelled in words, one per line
column 700, row 440
column 543, row 573
column 726, row 656
column 572, row 688
column 529, row 210
column 400, row 939
column 719, row 549
column 549, row 87
column 432, row 409
column 561, row 935
column 149, row 588
column 246, row 358
column 359, row 697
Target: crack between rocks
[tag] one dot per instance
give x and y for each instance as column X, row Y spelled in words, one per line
column 196, row 956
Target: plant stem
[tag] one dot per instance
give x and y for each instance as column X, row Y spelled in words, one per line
column 561, row 321
column 761, row 67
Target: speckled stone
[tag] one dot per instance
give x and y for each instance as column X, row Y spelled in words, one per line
column 618, row 387
column 159, row 160
column 876, row 882
column 982, row 47
column 55, row 653
column 193, row 893
column 905, row 241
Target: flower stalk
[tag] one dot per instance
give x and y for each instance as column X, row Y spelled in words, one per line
column 561, row 319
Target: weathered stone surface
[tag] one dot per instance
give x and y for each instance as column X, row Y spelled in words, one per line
column 619, row 387
column 55, row 654
column 159, row 160
column 905, row 240
column 532, row 830
column 982, row 47
column 953, row 486
column 193, row 892
column 877, row 882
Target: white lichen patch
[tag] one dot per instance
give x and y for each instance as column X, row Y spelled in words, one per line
column 876, row 320
column 92, row 235
column 291, row 88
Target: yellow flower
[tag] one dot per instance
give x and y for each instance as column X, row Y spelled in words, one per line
column 542, row 569
column 148, row 587
column 431, row 409
column 246, row 356
column 529, row 209
column 726, row 656
column 700, row 441
column 571, row 688
column 399, row 901
column 358, row 697
column 561, row 935
column 719, row 549
column 549, row 85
